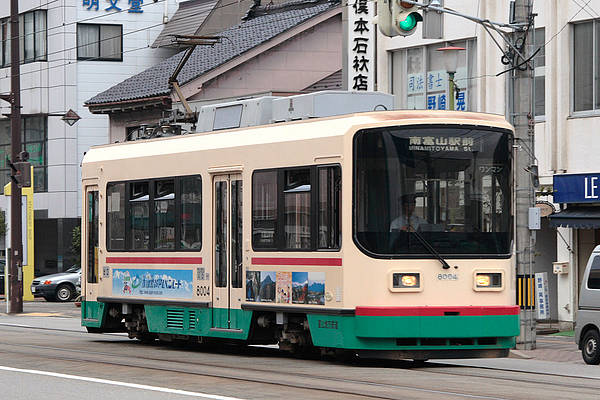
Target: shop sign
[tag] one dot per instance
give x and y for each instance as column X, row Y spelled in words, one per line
column 361, row 45
column 541, row 294
column 135, row 6
column 577, row 188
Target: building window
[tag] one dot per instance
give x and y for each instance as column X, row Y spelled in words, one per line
column 586, row 71
column 33, row 37
column 420, row 81
column 100, row 42
column 34, row 140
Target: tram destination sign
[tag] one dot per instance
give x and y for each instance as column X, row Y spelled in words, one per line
column 443, row 143
column 577, row 188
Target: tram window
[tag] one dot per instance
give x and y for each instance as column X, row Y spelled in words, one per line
column 115, row 216
column 138, row 215
column 221, row 222
column 236, row 233
column 297, row 212
column 310, row 199
column 191, row 213
column 264, row 209
column 92, row 236
column 164, row 214
column 330, row 205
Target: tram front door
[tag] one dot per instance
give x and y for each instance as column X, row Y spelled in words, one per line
column 227, row 251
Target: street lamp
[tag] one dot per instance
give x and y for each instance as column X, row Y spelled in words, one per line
column 70, row 117
column 451, row 54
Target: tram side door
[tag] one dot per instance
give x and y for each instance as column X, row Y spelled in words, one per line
column 227, row 251
column 90, row 279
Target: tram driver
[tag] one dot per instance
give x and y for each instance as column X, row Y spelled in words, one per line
column 407, row 221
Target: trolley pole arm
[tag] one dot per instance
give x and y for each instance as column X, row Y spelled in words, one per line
column 174, row 83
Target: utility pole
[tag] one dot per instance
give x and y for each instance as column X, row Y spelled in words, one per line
column 16, row 247
column 523, row 119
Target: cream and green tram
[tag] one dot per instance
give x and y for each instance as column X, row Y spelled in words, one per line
column 388, row 234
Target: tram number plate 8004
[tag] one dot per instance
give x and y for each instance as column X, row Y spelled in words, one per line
column 202, row 290
column 447, row 277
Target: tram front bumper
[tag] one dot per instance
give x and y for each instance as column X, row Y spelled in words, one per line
column 417, row 328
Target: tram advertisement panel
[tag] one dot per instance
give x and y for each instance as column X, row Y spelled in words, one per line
column 165, row 283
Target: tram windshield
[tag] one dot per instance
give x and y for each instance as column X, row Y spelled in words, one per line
column 450, row 184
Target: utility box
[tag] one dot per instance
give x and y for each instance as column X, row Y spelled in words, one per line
column 560, row 267
column 329, row 103
column 535, row 218
column 271, row 109
column 236, row 114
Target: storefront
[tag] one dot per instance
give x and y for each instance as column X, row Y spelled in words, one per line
column 579, row 199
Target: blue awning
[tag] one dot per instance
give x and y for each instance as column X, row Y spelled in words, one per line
column 577, row 217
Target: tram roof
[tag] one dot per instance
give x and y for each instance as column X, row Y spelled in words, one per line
column 286, row 132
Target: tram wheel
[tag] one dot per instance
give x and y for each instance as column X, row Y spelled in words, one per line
column 590, row 350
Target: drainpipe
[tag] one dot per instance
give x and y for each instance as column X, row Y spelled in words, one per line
column 166, row 12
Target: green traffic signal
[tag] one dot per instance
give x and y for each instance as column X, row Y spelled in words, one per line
column 410, row 22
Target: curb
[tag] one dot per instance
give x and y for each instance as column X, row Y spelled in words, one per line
column 518, row 354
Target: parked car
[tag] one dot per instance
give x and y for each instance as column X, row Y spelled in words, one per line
column 587, row 323
column 63, row 286
column 2, row 265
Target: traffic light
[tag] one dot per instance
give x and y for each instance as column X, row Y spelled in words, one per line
column 405, row 17
column 396, row 17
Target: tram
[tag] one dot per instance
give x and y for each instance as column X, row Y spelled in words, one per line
column 387, row 234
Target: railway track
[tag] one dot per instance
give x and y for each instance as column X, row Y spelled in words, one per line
column 384, row 380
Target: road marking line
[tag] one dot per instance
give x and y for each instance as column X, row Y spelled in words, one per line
column 117, row 383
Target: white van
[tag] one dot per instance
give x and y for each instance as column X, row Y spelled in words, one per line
column 587, row 323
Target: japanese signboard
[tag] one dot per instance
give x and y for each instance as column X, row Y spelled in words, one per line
column 132, row 6
column 432, row 91
column 361, row 45
column 541, row 295
column 577, row 188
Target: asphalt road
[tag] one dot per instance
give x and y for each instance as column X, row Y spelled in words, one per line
column 44, row 353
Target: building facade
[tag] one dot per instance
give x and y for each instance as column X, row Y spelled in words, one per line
column 70, row 50
column 274, row 50
column 567, row 109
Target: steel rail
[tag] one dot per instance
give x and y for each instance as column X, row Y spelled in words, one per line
column 183, row 366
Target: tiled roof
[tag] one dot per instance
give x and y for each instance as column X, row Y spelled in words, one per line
column 236, row 41
column 186, row 20
column 331, row 82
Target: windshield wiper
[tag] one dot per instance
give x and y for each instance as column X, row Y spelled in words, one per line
column 430, row 248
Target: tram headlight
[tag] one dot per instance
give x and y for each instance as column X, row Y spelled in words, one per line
column 488, row 280
column 406, row 280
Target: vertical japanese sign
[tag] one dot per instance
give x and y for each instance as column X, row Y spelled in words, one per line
column 361, row 45
column 541, row 295
column 435, row 85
